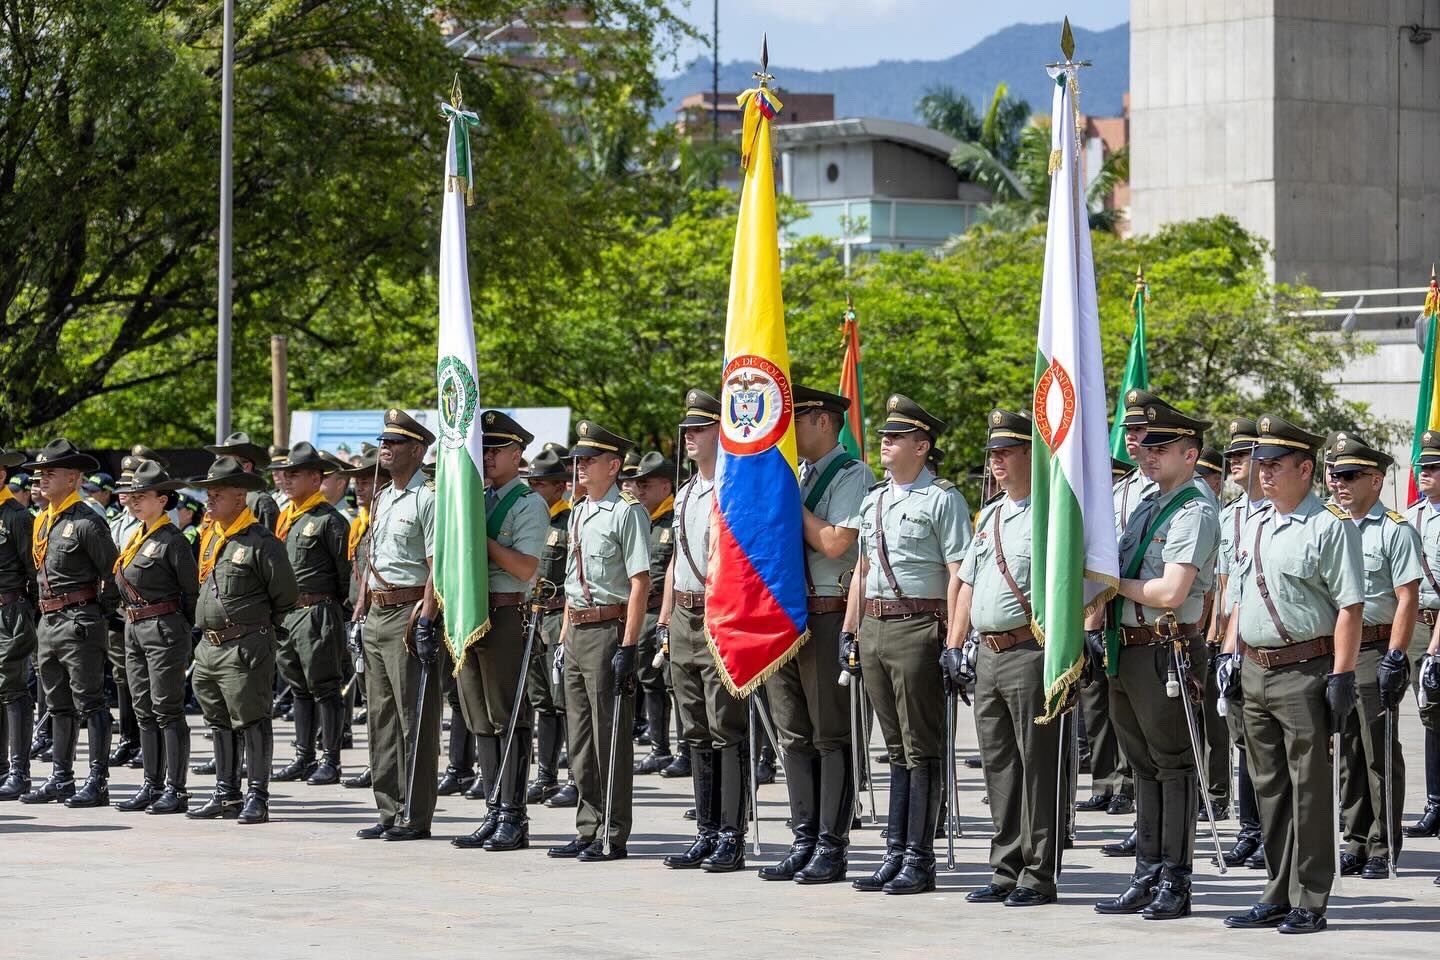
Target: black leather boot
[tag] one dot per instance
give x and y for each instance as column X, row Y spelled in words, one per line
column 512, row 827
column 174, row 798
column 153, row 756
column 547, row 754
column 729, row 853
column 332, row 727
column 304, row 763
column 895, row 833
column 60, row 785
column 43, row 745
column 567, row 795
column 1180, row 802
column 657, row 725
column 19, row 721
column 259, row 746
column 802, row 775
column 224, row 803
column 702, row 775
column 130, row 745
column 680, row 765
column 917, row 874
column 837, row 810
column 1429, row 823
column 460, row 754
column 487, row 764
column 95, row 791
column 1148, row 861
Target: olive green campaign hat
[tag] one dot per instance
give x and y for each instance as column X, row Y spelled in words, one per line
column 239, row 445
column 61, row 454
column 226, row 472
column 303, row 456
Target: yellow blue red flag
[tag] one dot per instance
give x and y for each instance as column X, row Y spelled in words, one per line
column 755, row 610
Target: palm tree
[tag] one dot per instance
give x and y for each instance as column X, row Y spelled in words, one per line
column 989, row 157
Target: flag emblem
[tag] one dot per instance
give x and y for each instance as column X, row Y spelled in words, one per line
column 1054, row 379
column 459, row 396
column 757, row 404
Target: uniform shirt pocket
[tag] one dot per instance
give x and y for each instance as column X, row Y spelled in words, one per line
column 914, row 528
column 1296, row 571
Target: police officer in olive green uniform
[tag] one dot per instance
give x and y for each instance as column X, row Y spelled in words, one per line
column 122, row 525
column 1425, row 518
column 547, row 476
column 1114, row 784
column 1248, row 848
column 311, row 658
column 712, row 719
column 246, row 590
column 253, row 458
column 654, row 484
column 1392, row 599
column 1167, row 566
column 398, row 590
column 366, row 477
column 158, row 582
column 914, row 531
column 607, row 589
column 812, row 711
column 17, row 632
column 1019, row 756
column 73, row 556
column 489, row 679
column 1297, row 597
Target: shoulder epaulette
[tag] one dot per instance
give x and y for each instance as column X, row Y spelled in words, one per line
column 877, row 486
column 1336, row 509
column 993, row 497
column 430, row 483
column 1395, row 515
column 628, row 497
column 942, row 483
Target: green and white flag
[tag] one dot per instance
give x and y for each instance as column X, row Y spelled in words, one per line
column 1075, row 563
column 461, row 572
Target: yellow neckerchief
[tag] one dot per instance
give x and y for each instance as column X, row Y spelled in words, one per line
column 293, row 512
column 5, row 495
column 556, row 508
column 40, row 538
column 217, row 542
column 664, row 508
column 358, row 526
column 137, row 539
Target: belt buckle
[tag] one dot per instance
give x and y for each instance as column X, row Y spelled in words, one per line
column 213, row 636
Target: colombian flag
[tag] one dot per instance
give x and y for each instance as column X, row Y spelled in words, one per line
column 755, row 612
column 1427, row 409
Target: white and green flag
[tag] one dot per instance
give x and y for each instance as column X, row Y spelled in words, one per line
column 461, row 573
column 1075, row 563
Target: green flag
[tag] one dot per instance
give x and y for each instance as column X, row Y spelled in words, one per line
column 1137, row 371
column 461, row 575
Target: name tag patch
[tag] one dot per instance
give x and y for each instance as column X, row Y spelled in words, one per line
column 151, row 549
column 239, row 555
column 310, row 529
column 69, row 530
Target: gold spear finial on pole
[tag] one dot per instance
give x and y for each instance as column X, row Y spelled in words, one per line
column 1067, row 41
column 456, row 99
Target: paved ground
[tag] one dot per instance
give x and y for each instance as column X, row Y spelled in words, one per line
column 99, row 883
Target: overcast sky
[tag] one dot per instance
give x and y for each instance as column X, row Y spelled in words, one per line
column 817, row 34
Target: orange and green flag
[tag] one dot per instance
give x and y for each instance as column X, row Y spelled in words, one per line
column 852, row 386
column 1427, row 408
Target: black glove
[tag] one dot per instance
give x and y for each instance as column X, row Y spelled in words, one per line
column 1393, row 676
column 1094, row 660
column 1340, row 698
column 952, row 663
column 1227, row 676
column 849, row 653
column 425, row 645
column 623, row 663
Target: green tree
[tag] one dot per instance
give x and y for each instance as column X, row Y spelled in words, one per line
column 109, row 139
